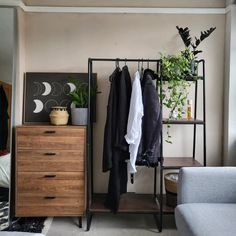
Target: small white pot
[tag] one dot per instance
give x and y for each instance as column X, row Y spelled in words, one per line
column 79, row 116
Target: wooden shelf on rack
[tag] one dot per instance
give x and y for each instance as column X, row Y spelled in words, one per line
column 178, row 162
column 166, row 209
column 183, row 121
column 129, row 203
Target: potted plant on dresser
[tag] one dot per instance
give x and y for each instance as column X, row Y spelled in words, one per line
column 79, row 105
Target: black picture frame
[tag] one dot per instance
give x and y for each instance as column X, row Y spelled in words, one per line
column 43, row 90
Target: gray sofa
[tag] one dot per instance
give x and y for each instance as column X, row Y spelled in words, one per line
column 206, row 201
column 19, row 234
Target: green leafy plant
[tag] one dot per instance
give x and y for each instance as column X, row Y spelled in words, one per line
column 176, row 69
column 80, row 95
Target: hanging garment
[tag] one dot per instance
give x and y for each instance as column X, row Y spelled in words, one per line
column 3, row 119
column 134, row 127
column 150, row 144
column 110, row 128
column 115, row 149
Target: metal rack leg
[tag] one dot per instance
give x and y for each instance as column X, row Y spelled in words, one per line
column 157, row 223
column 89, row 220
column 80, row 221
column 161, row 199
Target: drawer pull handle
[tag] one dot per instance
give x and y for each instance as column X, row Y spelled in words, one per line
column 48, row 197
column 50, row 132
column 49, row 176
column 50, row 154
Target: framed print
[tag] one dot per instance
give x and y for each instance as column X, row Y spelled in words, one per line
column 45, row 90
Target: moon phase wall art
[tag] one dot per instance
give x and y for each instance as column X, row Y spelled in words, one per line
column 45, row 90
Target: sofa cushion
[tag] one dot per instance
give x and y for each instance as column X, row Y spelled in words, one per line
column 206, row 219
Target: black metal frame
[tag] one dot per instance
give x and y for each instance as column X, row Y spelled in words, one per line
column 90, row 188
column 195, row 122
column 89, row 162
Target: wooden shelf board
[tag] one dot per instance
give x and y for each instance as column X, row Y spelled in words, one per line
column 178, row 162
column 183, row 121
column 166, row 209
column 129, row 203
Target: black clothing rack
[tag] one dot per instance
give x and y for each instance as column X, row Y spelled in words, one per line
column 143, row 203
column 133, row 203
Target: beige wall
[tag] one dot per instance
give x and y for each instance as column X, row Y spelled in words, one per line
column 57, row 42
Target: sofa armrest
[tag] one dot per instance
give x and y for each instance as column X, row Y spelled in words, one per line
column 207, row 185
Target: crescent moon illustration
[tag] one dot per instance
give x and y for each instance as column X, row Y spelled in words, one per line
column 37, row 89
column 50, row 103
column 39, row 106
column 65, row 103
column 57, row 89
column 71, row 86
column 48, row 88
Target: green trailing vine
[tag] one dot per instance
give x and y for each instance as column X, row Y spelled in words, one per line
column 176, row 69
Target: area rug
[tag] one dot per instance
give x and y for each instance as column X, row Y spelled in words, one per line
column 28, row 224
column 4, row 209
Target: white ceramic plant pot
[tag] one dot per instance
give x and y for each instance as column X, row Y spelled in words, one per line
column 79, row 116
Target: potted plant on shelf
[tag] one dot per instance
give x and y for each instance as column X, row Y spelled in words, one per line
column 176, row 69
column 79, row 105
column 193, row 44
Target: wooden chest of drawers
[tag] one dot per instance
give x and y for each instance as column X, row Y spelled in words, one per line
column 50, row 170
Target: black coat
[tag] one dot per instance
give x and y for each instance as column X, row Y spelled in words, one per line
column 150, row 145
column 115, row 149
column 3, row 119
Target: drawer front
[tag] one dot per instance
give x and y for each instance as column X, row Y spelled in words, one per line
column 50, row 137
column 50, row 184
column 58, row 206
column 50, row 160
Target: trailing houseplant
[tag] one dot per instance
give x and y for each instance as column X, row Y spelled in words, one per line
column 176, row 69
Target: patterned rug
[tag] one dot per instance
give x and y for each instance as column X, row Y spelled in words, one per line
column 28, row 224
column 4, row 210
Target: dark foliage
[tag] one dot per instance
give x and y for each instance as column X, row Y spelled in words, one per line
column 184, row 33
column 185, row 36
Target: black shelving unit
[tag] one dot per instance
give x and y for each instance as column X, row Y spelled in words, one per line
column 178, row 162
column 143, row 203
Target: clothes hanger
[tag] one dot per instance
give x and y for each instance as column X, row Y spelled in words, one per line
column 117, row 63
column 139, row 66
column 141, row 74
